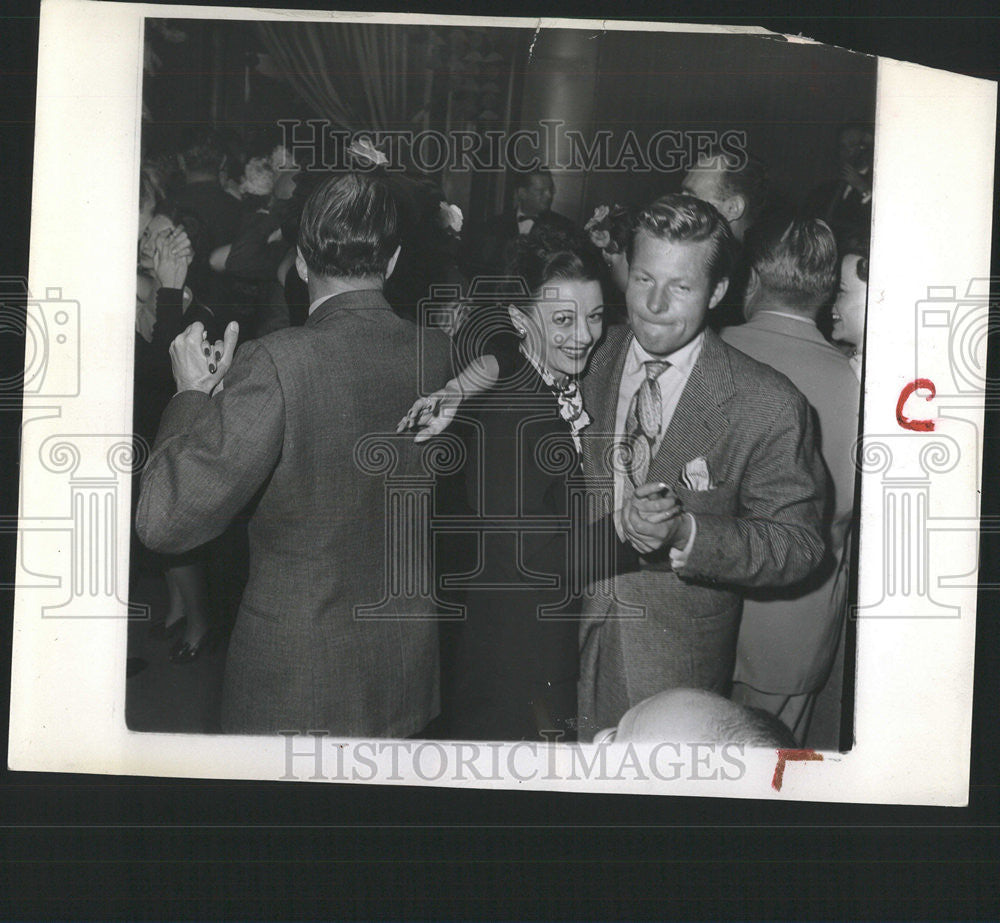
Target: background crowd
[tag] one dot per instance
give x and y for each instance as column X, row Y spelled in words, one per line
column 219, row 225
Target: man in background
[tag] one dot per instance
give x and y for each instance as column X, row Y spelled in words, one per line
column 486, row 247
column 788, row 637
column 845, row 203
column 739, row 188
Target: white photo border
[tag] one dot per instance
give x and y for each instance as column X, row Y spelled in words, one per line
column 927, row 319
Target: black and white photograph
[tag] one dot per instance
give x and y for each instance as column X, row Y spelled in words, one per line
column 640, row 293
column 507, row 400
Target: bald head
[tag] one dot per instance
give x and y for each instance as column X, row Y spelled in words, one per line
column 697, row 716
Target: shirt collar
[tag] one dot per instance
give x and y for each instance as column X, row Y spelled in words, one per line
column 798, row 317
column 682, row 359
column 358, row 298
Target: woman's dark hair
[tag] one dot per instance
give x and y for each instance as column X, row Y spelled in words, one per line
column 857, row 246
column 350, row 227
column 550, row 255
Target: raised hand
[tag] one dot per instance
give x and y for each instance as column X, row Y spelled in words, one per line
column 854, row 177
column 172, row 255
column 199, row 365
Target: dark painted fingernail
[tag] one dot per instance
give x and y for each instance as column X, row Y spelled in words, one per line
column 218, row 355
column 211, row 367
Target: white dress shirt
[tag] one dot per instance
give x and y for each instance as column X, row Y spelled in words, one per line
column 671, row 382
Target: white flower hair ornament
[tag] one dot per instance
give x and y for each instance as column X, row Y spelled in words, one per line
column 451, row 217
column 363, row 150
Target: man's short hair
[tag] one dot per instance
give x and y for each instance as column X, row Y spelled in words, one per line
column 681, row 218
column 521, row 179
column 203, row 151
column 867, row 127
column 349, row 227
column 797, row 260
column 747, row 176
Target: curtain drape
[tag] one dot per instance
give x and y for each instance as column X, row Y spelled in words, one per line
column 355, row 74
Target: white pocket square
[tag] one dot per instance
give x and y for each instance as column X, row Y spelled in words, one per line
column 696, row 476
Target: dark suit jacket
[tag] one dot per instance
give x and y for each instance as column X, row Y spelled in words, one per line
column 484, row 251
column 759, row 525
column 283, row 433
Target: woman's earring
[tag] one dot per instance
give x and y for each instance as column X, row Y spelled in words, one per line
column 521, row 332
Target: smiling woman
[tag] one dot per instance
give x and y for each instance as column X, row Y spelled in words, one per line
column 514, row 671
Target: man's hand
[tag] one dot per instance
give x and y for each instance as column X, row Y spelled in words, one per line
column 172, row 256
column 199, row 365
column 855, row 178
column 432, row 414
column 652, row 519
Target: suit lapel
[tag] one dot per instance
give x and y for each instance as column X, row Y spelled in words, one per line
column 700, row 418
column 601, row 386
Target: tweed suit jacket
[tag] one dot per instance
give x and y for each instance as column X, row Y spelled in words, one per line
column 788, row 637
column 758, row 525
column 282, row 436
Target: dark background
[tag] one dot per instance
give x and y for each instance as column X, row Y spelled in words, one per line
column 89, row 847
column 788, row 100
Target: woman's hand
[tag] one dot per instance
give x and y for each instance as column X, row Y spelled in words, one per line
column 172, row 255
column 199, row 365
column 432, row 414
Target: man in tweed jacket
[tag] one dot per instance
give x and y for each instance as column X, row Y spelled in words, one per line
column 283, row 434
column 732, row 489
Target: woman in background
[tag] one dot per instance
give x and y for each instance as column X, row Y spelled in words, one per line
column 849, row 307
column 164, row 308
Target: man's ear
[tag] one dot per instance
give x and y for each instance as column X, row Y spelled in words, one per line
column 736, row 207
column 392, row 262
column 720, row 290
column 750, row 293
column 300, row 265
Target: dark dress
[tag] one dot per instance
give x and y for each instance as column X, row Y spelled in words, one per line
column 515, row 668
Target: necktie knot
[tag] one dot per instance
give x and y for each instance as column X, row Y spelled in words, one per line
column 655, row 368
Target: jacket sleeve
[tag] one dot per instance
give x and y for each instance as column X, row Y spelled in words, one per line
column 211, row 455
column 250, row 255
column 776, row 537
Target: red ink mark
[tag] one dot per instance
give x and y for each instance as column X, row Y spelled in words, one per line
column 791, row 756
column 918, row 426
